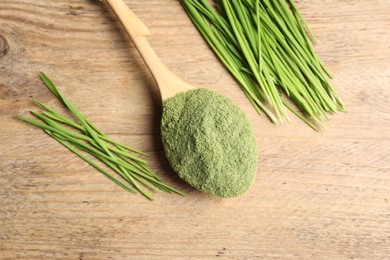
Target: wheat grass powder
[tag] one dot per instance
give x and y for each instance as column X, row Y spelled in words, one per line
column 209, row 142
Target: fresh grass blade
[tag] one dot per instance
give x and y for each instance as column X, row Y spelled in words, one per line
column 84, row 138
column 267, row 46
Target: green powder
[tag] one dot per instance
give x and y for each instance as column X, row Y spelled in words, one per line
column 209, row 142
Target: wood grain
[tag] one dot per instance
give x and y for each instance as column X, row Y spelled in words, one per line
column 316, row 196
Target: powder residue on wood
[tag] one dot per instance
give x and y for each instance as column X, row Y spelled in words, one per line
column 209, row 142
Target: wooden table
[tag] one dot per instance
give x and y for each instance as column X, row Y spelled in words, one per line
column 316, row 196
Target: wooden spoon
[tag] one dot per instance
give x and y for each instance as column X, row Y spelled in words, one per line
column 210, row 137
column 168, row 83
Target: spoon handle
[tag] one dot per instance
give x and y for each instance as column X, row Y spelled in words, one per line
column 133, row 25
column 167, row 81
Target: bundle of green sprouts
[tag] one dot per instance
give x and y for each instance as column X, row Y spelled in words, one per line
column 84, row 138
column 265, row 45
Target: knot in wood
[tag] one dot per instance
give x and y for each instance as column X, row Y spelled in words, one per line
column 3, row 46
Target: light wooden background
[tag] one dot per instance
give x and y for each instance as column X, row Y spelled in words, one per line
column 316, row 196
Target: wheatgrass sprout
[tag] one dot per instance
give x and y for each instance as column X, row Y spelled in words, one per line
column 267, row 46
column 84, row 138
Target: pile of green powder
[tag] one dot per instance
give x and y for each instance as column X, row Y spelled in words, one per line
column 209, row 142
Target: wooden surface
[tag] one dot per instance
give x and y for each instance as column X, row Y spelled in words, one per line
column 316, row 196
